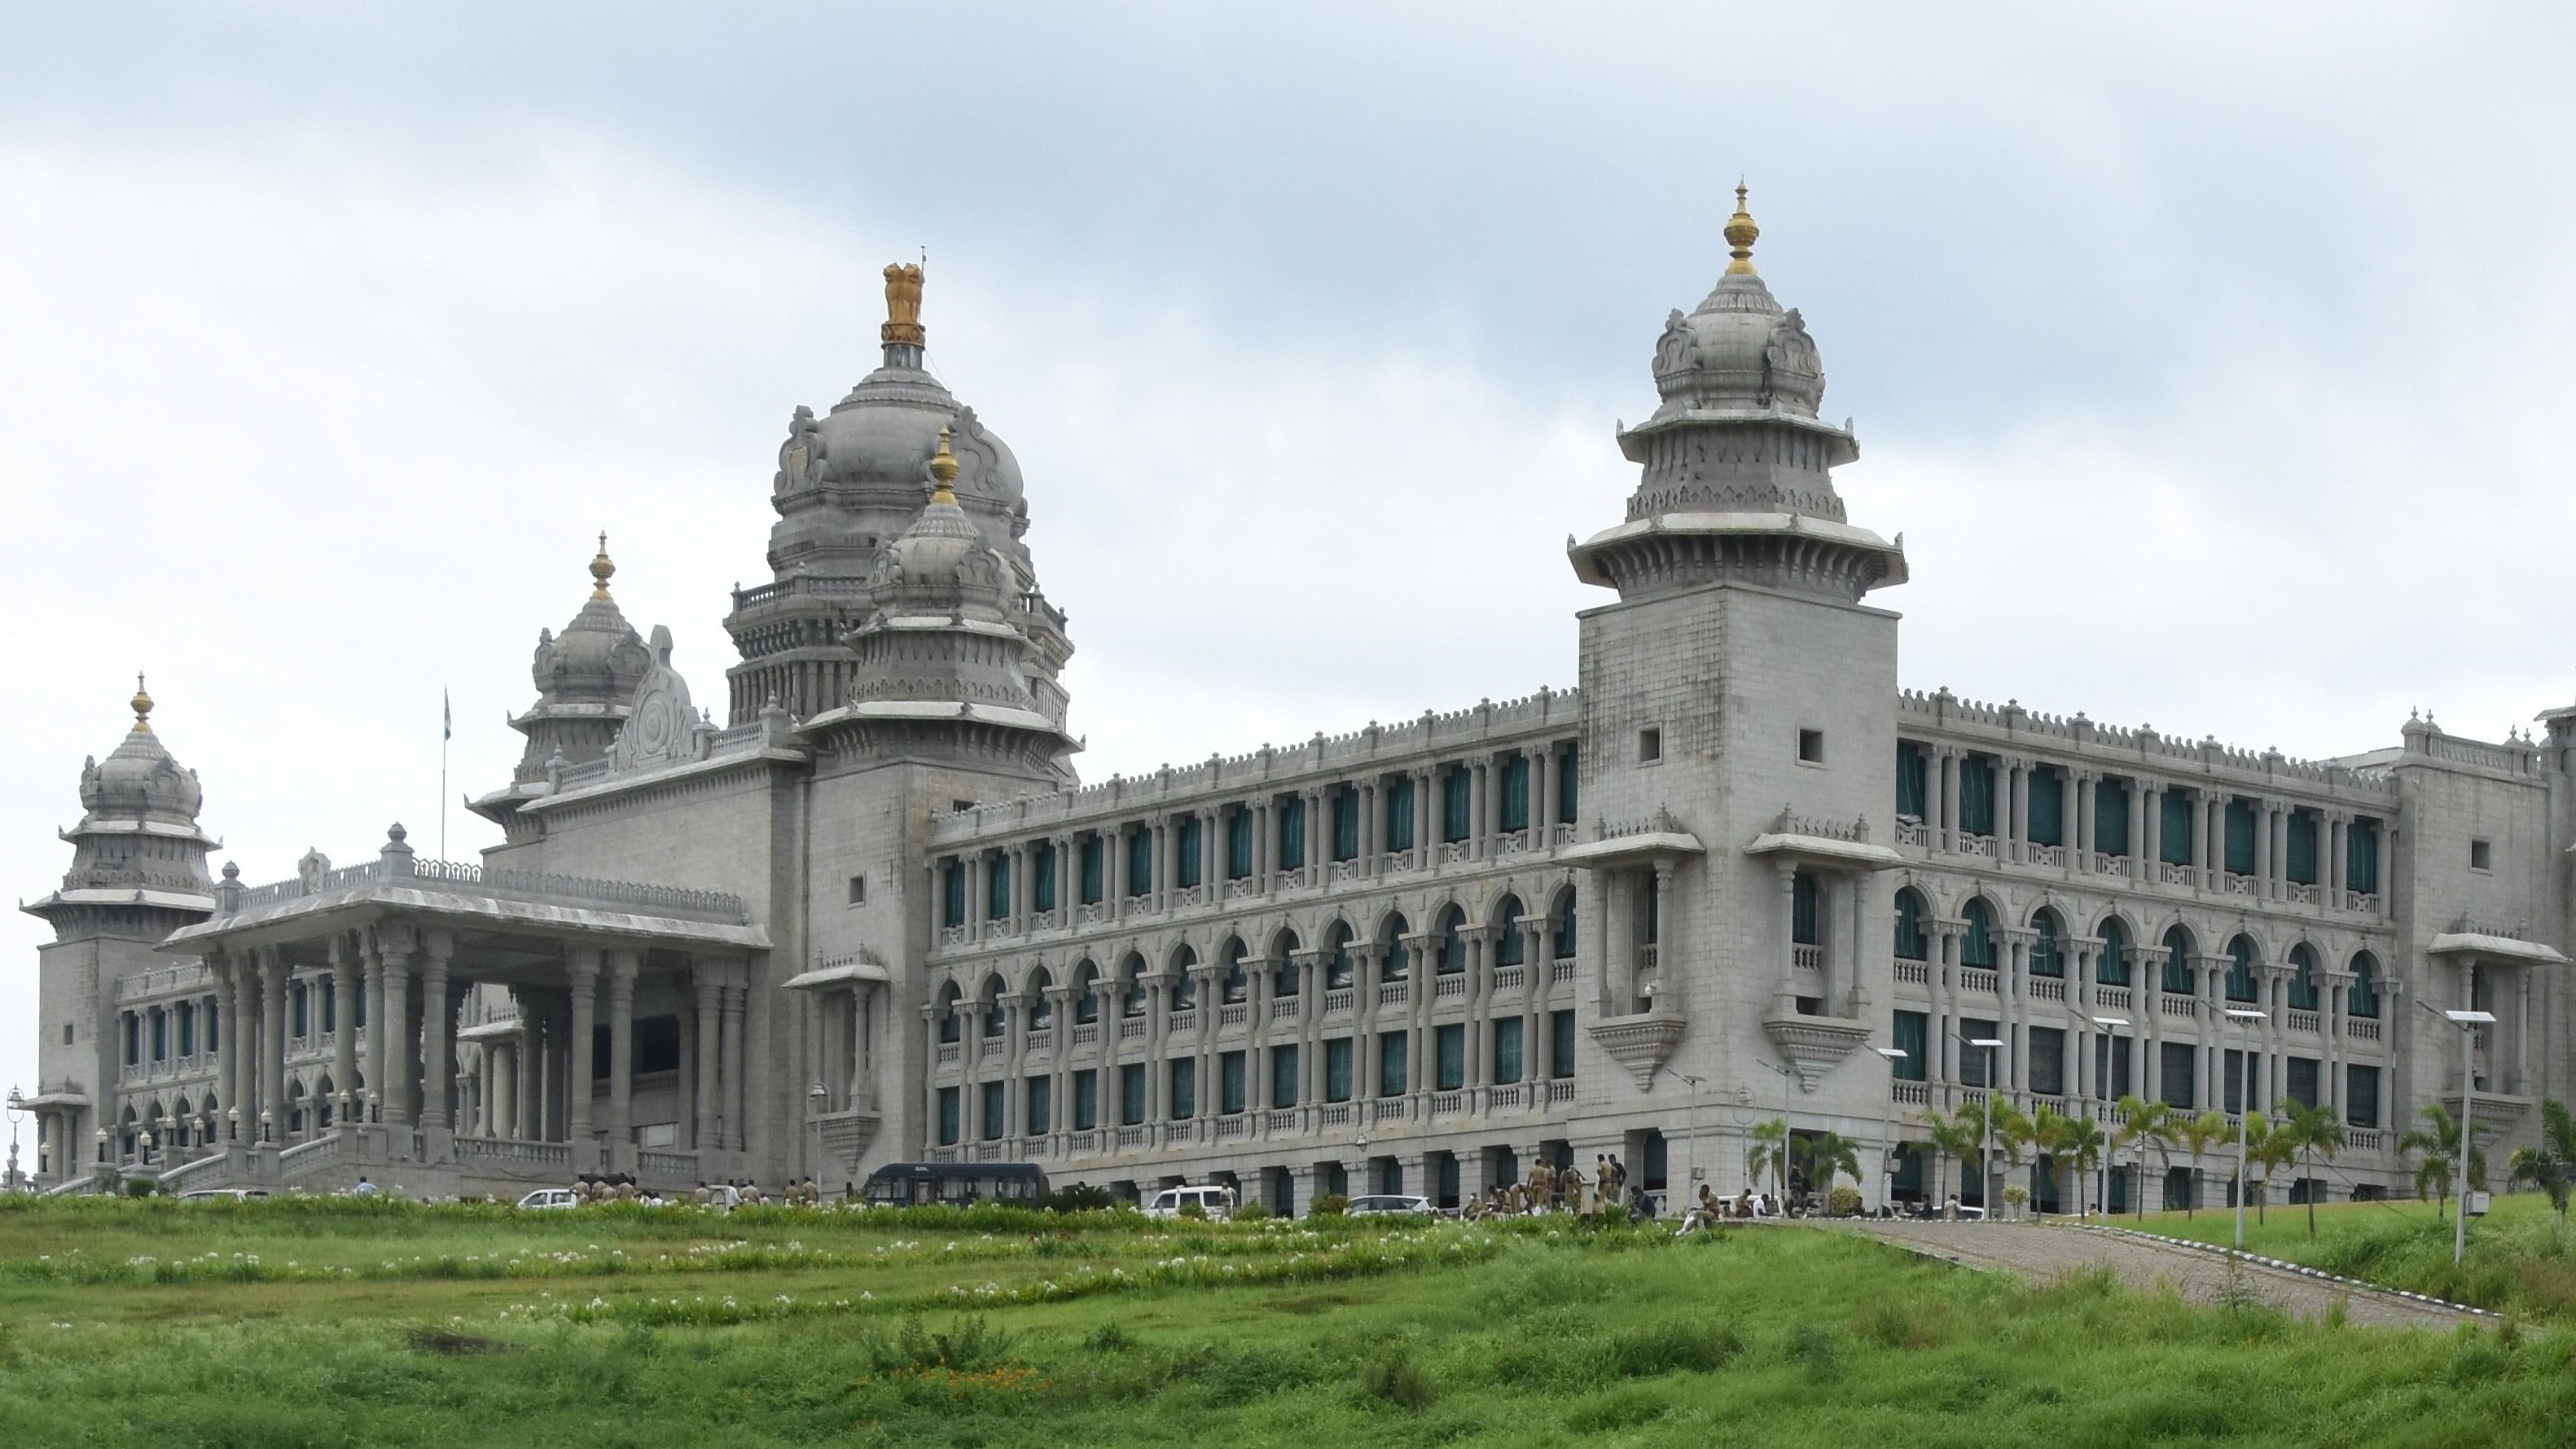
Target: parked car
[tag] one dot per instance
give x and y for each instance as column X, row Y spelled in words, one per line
column 1217, row 1202
column 1385, row 1204
column 551, row 1197
column 223, row 1194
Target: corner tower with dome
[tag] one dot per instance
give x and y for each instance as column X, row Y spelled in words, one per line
column 867, row 913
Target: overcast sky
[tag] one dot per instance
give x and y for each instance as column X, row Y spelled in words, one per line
column 2213, row 360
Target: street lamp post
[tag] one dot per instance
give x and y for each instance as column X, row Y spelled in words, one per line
column 1986, row 1168
column 2468, row 1022
column 819, row 1097
column 17, row 1114
column 1896, row 1060
column 1690, row 1131
column 1787, row 1076
column 2244, row 1017
column 2102, row 1091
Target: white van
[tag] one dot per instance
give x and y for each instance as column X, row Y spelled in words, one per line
column 1216, row 1202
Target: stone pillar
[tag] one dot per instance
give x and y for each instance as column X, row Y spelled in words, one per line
column 2204, row 841
column 241, row 1039
column 621, row 967
column 2263, row 836
column 581, row 970
column 438, row 1022
column 344, row 1041
column 2018, row 826
column 2080, row 845
column 737, row 1074
column 377, row 1036
column 2138, row 832
column 1855, row 998
column 2151, row 825
column 1543, row 809
column 1949, row 836
column 272, row 1040
column 528, row 1093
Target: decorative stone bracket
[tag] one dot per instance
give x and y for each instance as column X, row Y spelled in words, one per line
column 846, row 1135
column 1814, row 1045
column 1639, row 1043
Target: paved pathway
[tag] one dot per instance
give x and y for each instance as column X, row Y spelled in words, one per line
column 2043, row 1252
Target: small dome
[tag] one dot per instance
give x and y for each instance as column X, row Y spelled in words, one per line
column 598, row 658
column 139, row 780
column 1738, row 351
column 941, row 564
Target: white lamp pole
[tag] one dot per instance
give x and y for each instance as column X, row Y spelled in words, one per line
column 2102, row 1090
column 1896, row 1060
column 1690, row 1130
column 1986, row 1168
column 2468, row 1022
column 2244, row 1017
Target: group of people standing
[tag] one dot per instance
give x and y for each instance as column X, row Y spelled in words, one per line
column 1563, row 1190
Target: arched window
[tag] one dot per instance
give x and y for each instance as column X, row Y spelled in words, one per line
column 1977, row 943
column 1507, row 925
column 2240, row 969
column 1394, row 960
column 1563, row 944
column 2303, row 978
column 997, row 1018
column 1086, row 993
column 2361, row 998
column 1131, row 986
column 1911, row 943
column 1233, row 985
column 1337, row 956
column 1283, row 949
column 951, row 1027
column 1041, row 1000
column 2178, row 953
column 2047, row 949
column 1185, row 985
column 2113, row 967
column 1453, row 942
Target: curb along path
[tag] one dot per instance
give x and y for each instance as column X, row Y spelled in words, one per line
column 2142, row 1260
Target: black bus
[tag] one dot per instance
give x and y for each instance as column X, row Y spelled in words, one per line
column 955, row 1184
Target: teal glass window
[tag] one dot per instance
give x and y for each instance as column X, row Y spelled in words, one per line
column 1283, row 981
column 1457, row 803
column 1560, row 1034
column 1040, row 1104
column 1190, row 844
column 2047, row 807
column 1346, row 823
column 1516, row 801
column 1563, row 933
column 1283, row 1076
column 2361, row 998
column 2240, row 969
column 215, row 1019
column 2047, row 951
column 952, row 1027
column 2231, row 1080
column 1977, row 943
column 1977, row 794
column 1092, row 863
column 1042, row 884
column 1912, row 1035
column 2299, row 1080
column 993, row 1110
column 1338, row 969
column 1913, row 779
column 997, row 887
column 1912, row 942
column 1509, row 938
column 1449, row 1057
column 161, row 1031
column 188, row 1027
column 2240, row 837
column 1238, row 845
column 1507, row 1050
column 2113, row 967
column 952, row 893
column 997, row 1018
column 2361, row 1096
column 1131, row 1094
column 1140, row 859
column 1291, row 812
column 1452, row 950
column 2046, row 1067
column 1567, row 812
column 1229, row 1083
column 297, row 1002
column 1086, row 1099
column 1973, row 1060
column 2178, row 967
column 1399, row 813
column 1393, row 1057
column 2300, row 849
column 2111, row 817
column 330, row 1009
column 1337, row 1069
column 1393, row 959
column 2304, row 995
column 2361, row 856
column 1804, row 896
column 949, row 1107
column 2173, row 828
column 1086, row 997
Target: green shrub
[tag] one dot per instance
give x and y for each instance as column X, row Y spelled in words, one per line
column 1194, row 1212
column 1612, row 1215
column 1110, row 1337
column 1675, row 1346
column 1255, row 1211
column 140, row 1186
column 1330, row 1205
column 1845, row 1200
column 1393, row 1377
column 1078, row 1197
column 968, row 1345
column 1815, row 1346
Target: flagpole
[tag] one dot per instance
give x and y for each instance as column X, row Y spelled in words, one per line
column 446, row 731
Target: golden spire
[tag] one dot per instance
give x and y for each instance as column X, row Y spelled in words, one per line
column 943, row 466
column 903, row 306
column 1740, row 232
column 142, row 703
column 601, row 569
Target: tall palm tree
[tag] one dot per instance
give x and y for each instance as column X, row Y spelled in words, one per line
column 2146, row 1124
column 1957, row 1135
column 2438, row 1140
column 2197, row 1135
column 2551, row 1166
column 1770, row 1154
column 1826, row 1154
column 2267, row 1146
column 2310, row 1132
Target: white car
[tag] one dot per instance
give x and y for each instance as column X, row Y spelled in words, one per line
column 223, row 1194
column 1382, row 1204
column 1217, row 1202
column 551, row 1197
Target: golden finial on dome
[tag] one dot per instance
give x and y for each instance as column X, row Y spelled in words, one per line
column 601, row 569
column 1740, row 232
column 142, row 703
column 903, row 306
column 943, row 466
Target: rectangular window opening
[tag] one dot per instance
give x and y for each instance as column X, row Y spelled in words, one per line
column 1650, row 746
column 858, row 890
column 2481, row 855
column 1811, row 747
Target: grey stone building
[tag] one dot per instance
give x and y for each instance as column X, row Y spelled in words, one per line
column 1739, row 873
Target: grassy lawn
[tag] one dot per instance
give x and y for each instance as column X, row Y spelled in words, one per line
column 779, row 1327
column 2521, row 1259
